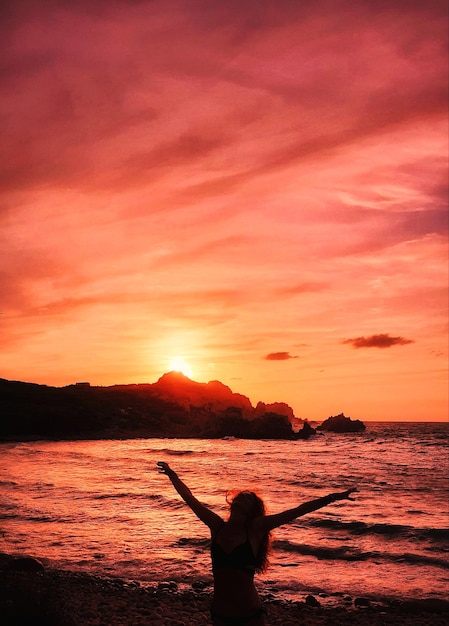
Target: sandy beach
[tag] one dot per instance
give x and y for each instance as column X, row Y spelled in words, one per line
column 63, row 598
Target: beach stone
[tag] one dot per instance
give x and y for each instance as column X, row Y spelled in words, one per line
column 171, row 585
column 162, row 586
column 433, row 605
column 199, row 585
column 312, row 601
column 25, row 564
column 362, row 602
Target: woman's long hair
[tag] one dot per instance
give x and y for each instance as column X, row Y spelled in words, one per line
column 257, row 510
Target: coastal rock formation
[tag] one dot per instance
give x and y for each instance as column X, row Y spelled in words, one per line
column 214, row 395
column 342, row 424
column 174, row 406
column 280, row 408
column 306, row 431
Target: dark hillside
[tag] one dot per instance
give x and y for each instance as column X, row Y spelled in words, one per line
column 172, row 407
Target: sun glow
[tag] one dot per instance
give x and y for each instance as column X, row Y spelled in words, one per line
column 177, row 364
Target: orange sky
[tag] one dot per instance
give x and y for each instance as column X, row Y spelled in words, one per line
column 258, row 187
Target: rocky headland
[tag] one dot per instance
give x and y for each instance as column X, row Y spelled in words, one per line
column 174, row 406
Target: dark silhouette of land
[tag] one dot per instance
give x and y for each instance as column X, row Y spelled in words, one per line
column 174, row 406
column 342, row 424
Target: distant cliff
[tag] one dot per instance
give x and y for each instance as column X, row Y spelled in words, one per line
column 174, row 406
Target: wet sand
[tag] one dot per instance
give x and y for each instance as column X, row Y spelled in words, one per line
column 62, row 598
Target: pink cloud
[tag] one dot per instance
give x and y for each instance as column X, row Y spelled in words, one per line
column 87, row 85
column 378, row 341
column 279, row 356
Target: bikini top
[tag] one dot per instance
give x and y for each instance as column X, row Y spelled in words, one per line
column 241, row 557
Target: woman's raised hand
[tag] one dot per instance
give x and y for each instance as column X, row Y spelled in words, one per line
column 164, row 468
column 344, row 495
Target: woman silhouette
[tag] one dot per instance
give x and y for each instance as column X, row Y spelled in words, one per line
column 240, row 547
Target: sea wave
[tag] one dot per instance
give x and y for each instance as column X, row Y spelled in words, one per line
column 362, row 528
column 132, row 496
column 9, row 516
column 192, row 542
column 347, row 553
column 46, row 519
column 172, row 452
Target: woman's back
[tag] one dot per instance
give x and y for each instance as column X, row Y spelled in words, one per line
column 233, row 548
column 234, row 557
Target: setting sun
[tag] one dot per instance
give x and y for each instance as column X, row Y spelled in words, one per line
column 177, row 364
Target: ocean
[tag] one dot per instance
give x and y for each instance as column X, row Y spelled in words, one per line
column 102, row 507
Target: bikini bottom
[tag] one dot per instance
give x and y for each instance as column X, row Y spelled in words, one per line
column 231, row 620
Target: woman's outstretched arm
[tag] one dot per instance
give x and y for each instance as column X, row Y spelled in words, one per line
column 269, row 522
column 208, row 517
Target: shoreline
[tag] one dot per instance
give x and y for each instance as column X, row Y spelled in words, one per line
column 31, row 593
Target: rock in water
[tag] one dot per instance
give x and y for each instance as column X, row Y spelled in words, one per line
column 342, row 424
